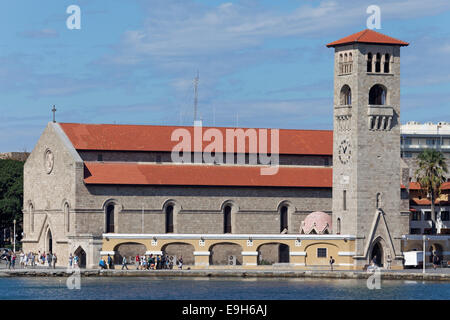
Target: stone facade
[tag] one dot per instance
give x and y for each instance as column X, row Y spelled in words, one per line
column 366, row 169
column 59, row 208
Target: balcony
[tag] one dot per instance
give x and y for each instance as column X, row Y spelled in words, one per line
column 380, row 117
column 345, row 68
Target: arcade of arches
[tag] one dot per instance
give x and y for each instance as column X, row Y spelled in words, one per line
column 235, row 250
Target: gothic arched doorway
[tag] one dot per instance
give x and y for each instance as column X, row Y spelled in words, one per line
column 81, row 256
column 376, row 254
column 49, row 241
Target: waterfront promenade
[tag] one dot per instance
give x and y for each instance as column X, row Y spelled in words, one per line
column 441, row 274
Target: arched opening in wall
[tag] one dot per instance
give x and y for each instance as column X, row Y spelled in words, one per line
column 178, row 250
column 378, row 201
column 283, row 253
column 338, row 226
column 110, row 218
column 376, row 254
column 67, row 216
column 378, row 63
column 81, row 254
column 49, row 241
column 227, row 219
column 284, row 227
column 377, row 95
column 169, row 219
column 31, row 211
column 346, row 95
column 225, row 254
column 387, row 57
column 369, row 62
column 271, row 253
column 129, row 250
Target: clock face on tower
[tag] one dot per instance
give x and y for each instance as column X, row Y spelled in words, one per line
column 345, row 151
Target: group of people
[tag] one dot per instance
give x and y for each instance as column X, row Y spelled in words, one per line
column 143, row 262
column 30, row 259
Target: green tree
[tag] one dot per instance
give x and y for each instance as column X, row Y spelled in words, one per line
column 11, row 195
column 431, row 175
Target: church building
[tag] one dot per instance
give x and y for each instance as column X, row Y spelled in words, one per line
column 99, row 189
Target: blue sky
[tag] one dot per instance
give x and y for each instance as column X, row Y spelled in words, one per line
column 262, row 63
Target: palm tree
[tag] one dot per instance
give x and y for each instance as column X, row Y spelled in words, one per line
column 430, row 175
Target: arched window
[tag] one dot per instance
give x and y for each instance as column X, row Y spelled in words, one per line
column 110, row 218
column 386, row 63
column 378, row 204
column 283, row 218
column 377, row 95
column 67, row 216
column 227, row 219
column 344, row 200
column 31, row 211
column 369, row 62
column 350, row 57
column 338, row 227
column 378, row 63
column 169, row 219
column 346, row 95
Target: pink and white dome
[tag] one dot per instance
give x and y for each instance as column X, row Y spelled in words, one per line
column 316, row 223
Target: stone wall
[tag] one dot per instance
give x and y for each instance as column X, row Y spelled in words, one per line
column 153, row 156
column 197, row 209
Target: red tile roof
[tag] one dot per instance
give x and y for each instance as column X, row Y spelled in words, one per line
column 158, row 138
column 427, row 202
column 204, row 175
column 368, row 36
column 416, row 186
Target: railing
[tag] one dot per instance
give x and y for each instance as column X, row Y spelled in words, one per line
column 345, row 67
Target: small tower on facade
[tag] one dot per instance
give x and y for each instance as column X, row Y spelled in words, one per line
column 366, row 146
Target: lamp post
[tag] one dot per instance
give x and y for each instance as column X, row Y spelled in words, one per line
column 424, row 261
column 14, row 235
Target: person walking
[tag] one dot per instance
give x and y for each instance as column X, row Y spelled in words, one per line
column 49, row 260
column 124, row 263
column 54, row 260
column 8, row 260
column 110, row 262
column 331, row 263
column 180, row 263
column 13, row 260
column 435, row 260
column 22, row 259
column 75, row 262
column 158, row 262
column 137, row 261
column 70, row 261
column 33, row 260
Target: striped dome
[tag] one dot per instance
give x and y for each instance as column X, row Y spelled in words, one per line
column 316, row 223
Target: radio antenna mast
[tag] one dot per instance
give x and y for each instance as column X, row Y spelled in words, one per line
column 195, row 96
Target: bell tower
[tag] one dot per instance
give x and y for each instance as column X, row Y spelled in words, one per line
column 366, row 146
